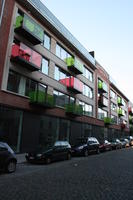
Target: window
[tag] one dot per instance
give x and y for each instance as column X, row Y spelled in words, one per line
column 87, row 91
column 112, row 94
column 60, row 75
column 113, row 107
column 114, row 119
column 87, row 74
column 61, row 52
column 46, row 41
column 20, row 84
column 102, row 113
column 62, row 99
column 44, row 67
column 87, row 109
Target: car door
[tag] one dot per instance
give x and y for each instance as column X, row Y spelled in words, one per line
column 3, row 156
column 57, row 151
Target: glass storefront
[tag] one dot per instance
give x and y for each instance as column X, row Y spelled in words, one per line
column 25, row 131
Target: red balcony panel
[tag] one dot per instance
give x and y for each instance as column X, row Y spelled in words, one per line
column 73, row 84
column 26, row 56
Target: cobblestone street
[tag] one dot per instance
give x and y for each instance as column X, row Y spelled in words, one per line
column 107, row 176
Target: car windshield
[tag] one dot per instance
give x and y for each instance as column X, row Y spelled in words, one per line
column 5, row 145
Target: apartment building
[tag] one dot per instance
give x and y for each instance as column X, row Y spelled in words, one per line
column 52, row 88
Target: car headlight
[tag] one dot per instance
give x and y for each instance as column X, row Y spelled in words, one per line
column 39, row 155
column 80, row 148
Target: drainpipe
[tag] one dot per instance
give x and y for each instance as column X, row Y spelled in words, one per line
column 2, row 11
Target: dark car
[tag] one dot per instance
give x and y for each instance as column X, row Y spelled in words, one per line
column 116, row 144
column 61, row 150
column 8, row 159
column 86, row 146
column 105, row 145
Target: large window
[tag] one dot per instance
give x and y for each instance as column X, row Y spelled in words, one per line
column 44, row 67
column 113, row 107
column 61, row 52
column 20, row 84
column 60, row 75
column 87, row 74
column 113, row 94
column 114, row 119
column 87, row 91
column 102, row 113
column 87, row 109
column 47, row 41
column 62, row 99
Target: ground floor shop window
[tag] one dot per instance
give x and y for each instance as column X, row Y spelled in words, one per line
column 10, row 127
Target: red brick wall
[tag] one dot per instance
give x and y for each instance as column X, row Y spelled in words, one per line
column 4, row 33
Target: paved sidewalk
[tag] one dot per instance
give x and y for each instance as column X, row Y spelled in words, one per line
column 20, row 158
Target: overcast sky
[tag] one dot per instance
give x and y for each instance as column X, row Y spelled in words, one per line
column 103, row 26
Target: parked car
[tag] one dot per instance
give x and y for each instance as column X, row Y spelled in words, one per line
column 130, row 138
column 61, row 150
column 116, row 144
column 123, row 142
column 105, row 145
column 86, row 146
column 8, row 159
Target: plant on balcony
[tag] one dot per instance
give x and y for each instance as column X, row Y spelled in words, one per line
column 41, row 98
column 74, row 109
column 107, row 120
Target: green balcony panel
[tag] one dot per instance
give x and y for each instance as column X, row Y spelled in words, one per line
column 121, row 112
column 120, row 101
column 41, row 98
column 102, row 87
column 74, row 109
column 29, row 29
column 74, row 65
column 107, row 120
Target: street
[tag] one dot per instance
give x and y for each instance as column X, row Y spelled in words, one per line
column 107, row 176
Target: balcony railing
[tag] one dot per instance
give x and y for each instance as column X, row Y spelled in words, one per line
column 41, row 98
column 74, row 109
column 74, row 65
column 26, row 57
column 120, row 101
column 29, row 29
column 107, row 120
column 121, row 112
column 130, row 111
column 102, row 87
column 73, row 84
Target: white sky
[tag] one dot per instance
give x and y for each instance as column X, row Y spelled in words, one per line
column 106, row 27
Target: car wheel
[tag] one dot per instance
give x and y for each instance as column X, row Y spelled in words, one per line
column 48, row 160
column 86, row 153
column 68, row 156
column 11, row 167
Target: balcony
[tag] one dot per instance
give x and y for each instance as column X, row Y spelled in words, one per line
column 130, row 111
column 73, row 84
column 107, row 120
column 130, row 120
column 73, row 109
column 74, row 65
column 102, row 87
column 42, row 99
column 29, row 29
column 120, row 101
column 26, row 57
column 121, row 112
column 102, row 101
